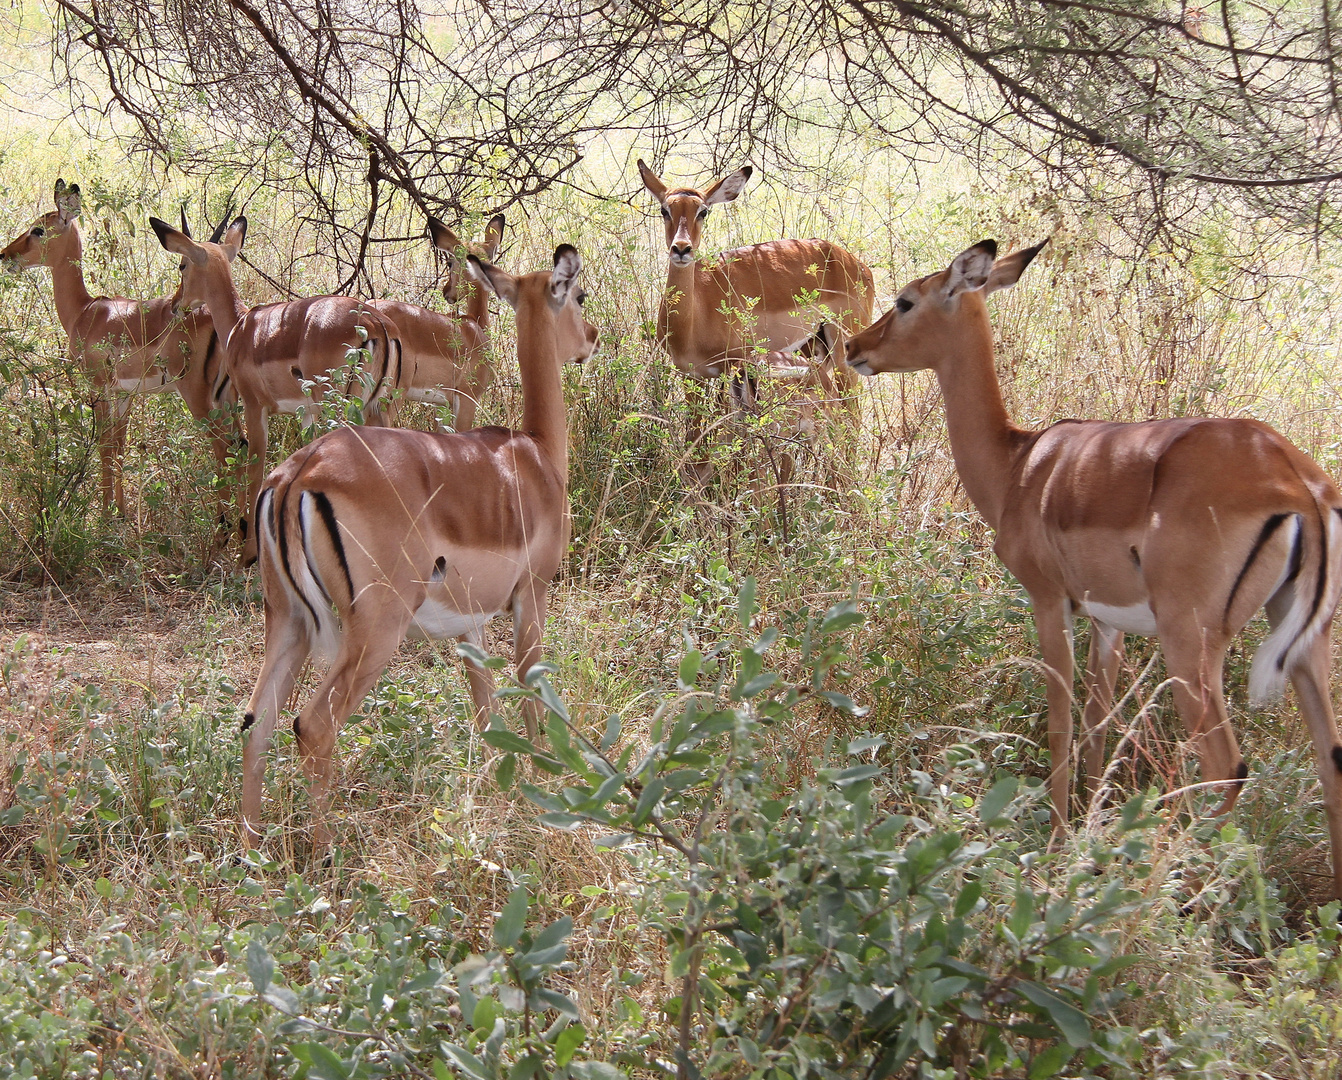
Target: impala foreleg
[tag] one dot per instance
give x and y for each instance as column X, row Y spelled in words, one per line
column 1053, row 622
column 529, row 608
column 1310, row 679
column 481, row 682
column 256, row 419
column 1106, row 653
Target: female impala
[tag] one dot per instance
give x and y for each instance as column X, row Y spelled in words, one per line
column 1180, row 529
column 273, row 349
column 411, row 533
column 766, row 298
column 124, row 347
column 446, row 359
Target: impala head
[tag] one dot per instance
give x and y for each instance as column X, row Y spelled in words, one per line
column 445, row 240
column 33, row 248
column 200, row 260
column 556, row 290
column 684, row 210
column 929, row 313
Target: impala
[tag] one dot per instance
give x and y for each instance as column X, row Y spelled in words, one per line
column 716, row 316
column 124, row 347
column 277, row 355
column 446, row 359
column 369, row 535
column 1181, row 529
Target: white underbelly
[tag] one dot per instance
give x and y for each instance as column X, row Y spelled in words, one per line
column 428, row 395
column 146, row 384
column 435, row 620
column 293, row 405
column 1133, row 619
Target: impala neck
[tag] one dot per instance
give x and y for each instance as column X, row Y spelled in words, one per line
column 543, row 416
column 678, row 304
column 984, row 442
column 477, row 305
column 225, row 303
column 65, row 256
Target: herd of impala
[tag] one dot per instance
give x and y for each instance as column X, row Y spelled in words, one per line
column 1182, row 529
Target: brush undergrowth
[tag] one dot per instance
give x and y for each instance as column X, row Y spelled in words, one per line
column 803, row 885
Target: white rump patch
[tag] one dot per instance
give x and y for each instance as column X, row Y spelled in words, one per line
column 1296, row 633
column 1132, row 619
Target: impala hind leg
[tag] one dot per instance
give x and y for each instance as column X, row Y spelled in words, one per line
column 372, row 635
column 1310, row 679
column 1053, row 622
column 1194, row 658
column 1106, row 653
column 287, row 647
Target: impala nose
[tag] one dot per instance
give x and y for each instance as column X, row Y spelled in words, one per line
column 681, row 252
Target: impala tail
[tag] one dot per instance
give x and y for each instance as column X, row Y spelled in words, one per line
column 1312, row 583
column 297, row 536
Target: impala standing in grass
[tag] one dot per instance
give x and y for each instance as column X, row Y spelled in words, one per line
column 125, row 347
column 372, row 535
column 446, row 357
column 1179, row 529
column 719, row 315
column 273, row 350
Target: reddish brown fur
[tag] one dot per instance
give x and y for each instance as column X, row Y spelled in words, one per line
column 435, row 532
column 118, row 342
column 446, row 357
column 1194, row 524
column 266, row 345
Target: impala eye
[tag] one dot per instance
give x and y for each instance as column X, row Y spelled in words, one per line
column 703, row 213
column 38, row 231
column 666, row 213
column 902, row 305
column 582, row 297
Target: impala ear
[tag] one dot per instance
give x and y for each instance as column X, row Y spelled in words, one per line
column 67, row 201
column 730, row 186
column 233, row 237
column 971, row 268
column 568, row 265
column 177, row 241
column 443, row 238
column 652, row 182
column 1008, row 269
column 501, row 283
column 494, row 237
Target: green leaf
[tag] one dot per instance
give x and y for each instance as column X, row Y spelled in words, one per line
column 566, row 1045
column 840, row 617
column 486, row 1012
column 968, row 898
column 558, row 931
column 1051, row 1062
column 562, row 819
column 861, row 746
column 505, row 772
column 648, row 799
column 552, row 999
column 323, row 1063
column 550, row 698
column 260, row 967
column 467, row 1062
column 508, row 926
column 508, row 741
column 1070, row 1020
column 996, row 798
column 612, row 733
column 690, row 664
column 745, row 603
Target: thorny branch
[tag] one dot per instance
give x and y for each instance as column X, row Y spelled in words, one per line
column 1155, row 110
